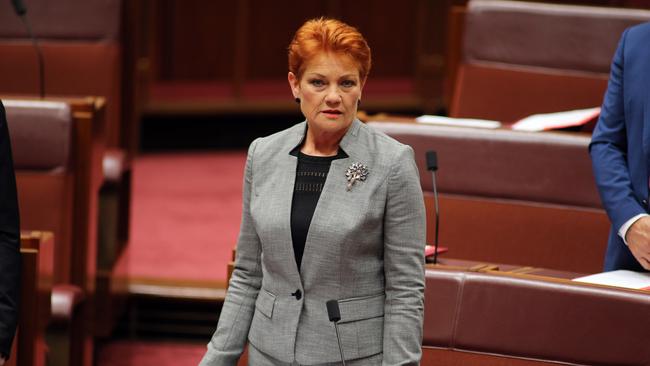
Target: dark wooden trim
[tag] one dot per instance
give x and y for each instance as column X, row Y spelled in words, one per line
column 28, row 323
column 454, row 50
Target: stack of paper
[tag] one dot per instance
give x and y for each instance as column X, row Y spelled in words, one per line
column 620, row 278
column 462, row 122
column 551, row 121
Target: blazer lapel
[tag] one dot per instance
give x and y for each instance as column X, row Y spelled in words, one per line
column 334, row 190
column 285, row 176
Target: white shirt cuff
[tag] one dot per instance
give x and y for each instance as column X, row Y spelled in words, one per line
column 626, row 226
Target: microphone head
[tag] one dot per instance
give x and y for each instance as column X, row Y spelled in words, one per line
column 432, row 160
column 19, row 7
column 333, row 310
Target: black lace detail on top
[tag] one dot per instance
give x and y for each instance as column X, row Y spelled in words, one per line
column 311, row 175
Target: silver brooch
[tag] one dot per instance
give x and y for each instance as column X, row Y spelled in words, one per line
column 356, row 172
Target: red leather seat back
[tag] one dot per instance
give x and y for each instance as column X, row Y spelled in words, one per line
column 524, row 58
column 81, row 50
column 528, row 318
column 511, row 197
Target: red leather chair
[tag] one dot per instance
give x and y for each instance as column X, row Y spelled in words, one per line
column 58, row 184
column 89, row 48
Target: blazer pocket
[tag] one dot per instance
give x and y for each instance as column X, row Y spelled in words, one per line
column 361, row 327
column 265, row 303
column 359, row 308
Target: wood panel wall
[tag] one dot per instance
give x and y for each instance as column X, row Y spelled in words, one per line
column 243, row 41
column 198, row 38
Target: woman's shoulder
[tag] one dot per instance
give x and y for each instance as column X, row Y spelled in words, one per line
column 377, row 140
column 374, row 148
column 279, row 141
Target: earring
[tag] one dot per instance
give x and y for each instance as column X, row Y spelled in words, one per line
column 298, row 100
column 358, row 102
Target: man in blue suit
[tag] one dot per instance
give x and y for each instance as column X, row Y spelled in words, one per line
column 620, row 152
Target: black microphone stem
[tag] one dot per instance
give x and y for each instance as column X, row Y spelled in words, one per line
column 41, row 62
column 336, row 328
column 435, row 201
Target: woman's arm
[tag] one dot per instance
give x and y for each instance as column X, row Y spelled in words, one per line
column 404, row 241
column 229, row 339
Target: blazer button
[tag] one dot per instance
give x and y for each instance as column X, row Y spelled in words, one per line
column 297, row 294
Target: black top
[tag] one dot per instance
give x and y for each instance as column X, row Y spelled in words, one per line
column 311, row 174
column 9, row 242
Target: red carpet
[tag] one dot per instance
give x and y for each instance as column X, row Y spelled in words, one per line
column 138, row 353
column 185, row 216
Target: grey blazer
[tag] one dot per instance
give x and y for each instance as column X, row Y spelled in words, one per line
column 365, row 248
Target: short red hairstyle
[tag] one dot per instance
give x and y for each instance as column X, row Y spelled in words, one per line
column 328, row 35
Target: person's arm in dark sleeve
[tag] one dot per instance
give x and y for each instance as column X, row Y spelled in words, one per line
column 609, row 154
column 609, row 147
column 9, row 243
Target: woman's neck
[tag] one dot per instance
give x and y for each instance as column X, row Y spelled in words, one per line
column 321, row 144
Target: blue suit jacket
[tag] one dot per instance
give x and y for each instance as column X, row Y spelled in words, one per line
column 620, row 147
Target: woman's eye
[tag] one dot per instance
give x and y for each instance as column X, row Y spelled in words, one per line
column 317, row 82
column 348, row 83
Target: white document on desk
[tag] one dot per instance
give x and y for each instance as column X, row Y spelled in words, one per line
column 620, row 278
column 550, row 121
column 461, row 122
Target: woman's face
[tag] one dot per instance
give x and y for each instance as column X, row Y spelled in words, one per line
column 329, row 90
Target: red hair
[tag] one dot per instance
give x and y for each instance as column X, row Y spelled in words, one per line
column 328, row 35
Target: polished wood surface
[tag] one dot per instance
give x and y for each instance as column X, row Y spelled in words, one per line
column 233, row 56
column 27, row 323
column 37, row 253
column 43, row 242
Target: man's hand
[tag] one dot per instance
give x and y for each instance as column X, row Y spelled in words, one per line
column 638, row 240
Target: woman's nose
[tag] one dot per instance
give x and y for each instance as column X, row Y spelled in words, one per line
column 333, row 96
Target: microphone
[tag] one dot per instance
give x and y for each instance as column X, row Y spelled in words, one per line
column 21, row 11
column 432, row 166
column 335, row 315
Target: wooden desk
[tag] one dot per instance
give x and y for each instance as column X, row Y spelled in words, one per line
column 500, row 268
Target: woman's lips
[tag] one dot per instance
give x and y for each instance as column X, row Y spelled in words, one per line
column 332, row 113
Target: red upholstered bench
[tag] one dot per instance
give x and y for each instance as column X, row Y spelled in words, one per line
column 511, row 197
column 504, row 319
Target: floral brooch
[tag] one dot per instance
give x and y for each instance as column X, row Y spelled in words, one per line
column 356, row 172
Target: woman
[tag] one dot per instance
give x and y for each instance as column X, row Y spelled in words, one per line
column 332, row 210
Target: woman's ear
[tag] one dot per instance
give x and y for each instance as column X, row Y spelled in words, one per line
column 294, row 83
